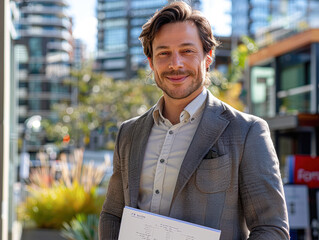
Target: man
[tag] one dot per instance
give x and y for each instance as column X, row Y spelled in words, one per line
column 192, row 157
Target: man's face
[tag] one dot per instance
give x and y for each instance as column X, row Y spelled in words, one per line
column 179, row 62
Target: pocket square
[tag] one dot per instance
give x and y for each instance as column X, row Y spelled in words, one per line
column 212, row 153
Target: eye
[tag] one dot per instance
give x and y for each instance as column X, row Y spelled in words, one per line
column 188, row 51
column 163, row 53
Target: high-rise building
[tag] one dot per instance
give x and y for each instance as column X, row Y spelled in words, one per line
column 79, row 56
column 44, row 54
column 249, row 16
column 120, row 53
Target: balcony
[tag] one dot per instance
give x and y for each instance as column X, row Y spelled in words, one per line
column 61, row 11
column 23, row 111
column 39, row 32
column 41, row 21
column 23, row 93
column 59, row 2
column 63, row 46
column 22, row 74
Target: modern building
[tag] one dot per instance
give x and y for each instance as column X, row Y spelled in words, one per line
column 44, row 53
column 249, row 16
column 120, row 53
column 284, row 89
column 79, row 54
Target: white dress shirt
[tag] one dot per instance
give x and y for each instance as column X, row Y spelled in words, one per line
column 166, row 148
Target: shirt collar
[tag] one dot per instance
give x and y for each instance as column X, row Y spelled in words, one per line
column 191, row 111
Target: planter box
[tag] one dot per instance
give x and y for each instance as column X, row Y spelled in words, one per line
column 41, row 234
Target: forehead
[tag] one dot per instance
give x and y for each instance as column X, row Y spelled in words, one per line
column 176, row 34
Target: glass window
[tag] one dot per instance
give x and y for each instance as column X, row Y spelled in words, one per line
column 135, row 32
column 35, row 87
column 138, row 21
column 263, row 95
column 35, row 46
column 138, row 4
column 115, row 23
column 295, row 76
column 115, row 5
column 118, row 13
column 34, row 104
column 115, row 38
column 295, row 103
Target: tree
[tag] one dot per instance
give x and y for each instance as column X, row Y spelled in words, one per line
column 102, row 105
column 227, row 87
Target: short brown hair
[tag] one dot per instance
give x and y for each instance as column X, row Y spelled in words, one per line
column 172, row 13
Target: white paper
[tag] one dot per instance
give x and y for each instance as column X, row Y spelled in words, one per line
column 297, row 206
column 140, row 225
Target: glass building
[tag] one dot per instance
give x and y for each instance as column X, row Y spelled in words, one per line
column 120, row 53
column 250, row 16
column 44, row 54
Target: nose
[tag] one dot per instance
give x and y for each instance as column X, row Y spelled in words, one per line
column 176, row 61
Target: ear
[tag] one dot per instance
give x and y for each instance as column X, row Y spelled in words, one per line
column 150, row 62
column 209, row 58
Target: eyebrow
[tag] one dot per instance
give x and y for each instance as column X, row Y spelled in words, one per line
column 182, row 45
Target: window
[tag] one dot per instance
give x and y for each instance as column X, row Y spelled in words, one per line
column 115, row 38
column 263, row 91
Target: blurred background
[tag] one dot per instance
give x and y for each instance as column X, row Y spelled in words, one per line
column 71, row 71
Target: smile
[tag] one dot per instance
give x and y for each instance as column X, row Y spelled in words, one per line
column 177, row 78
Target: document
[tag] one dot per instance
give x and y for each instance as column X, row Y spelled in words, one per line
column 141, row 225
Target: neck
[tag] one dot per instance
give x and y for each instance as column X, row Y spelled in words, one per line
column 173, row 107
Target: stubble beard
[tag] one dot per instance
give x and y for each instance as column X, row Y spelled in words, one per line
column 178, row 93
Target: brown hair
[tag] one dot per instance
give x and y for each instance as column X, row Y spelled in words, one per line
column 172, row 13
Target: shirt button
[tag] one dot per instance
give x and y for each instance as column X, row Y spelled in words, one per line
column 157, row 191
column 162, row 160
column 170, row 132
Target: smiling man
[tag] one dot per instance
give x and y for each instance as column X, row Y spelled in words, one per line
column 191, row 156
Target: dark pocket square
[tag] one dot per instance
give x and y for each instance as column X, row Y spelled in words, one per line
column 212, row 153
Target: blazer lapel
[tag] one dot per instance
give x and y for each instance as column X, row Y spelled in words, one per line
column 209, row 130
column 139, row 140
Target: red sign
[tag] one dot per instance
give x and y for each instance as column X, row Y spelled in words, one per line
column 304, row 170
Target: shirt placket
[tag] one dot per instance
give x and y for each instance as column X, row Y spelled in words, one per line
column 161, row 168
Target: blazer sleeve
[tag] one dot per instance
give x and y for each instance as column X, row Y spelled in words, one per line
column 261, row 189
column 110, row 217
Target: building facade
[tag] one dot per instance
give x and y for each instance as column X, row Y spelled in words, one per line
column 120, row 53
column 44, row 54
column 250, row 16
column 284, row 87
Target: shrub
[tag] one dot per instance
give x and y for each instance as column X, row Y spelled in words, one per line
column 82, row 227
column 51, row 201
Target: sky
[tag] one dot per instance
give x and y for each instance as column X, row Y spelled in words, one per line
column 85, row 22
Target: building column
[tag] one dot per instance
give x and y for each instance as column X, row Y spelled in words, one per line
column 4, row 115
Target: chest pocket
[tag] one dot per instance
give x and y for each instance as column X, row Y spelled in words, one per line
column 214, row 175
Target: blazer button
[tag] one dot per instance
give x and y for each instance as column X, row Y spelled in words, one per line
column 157, row 191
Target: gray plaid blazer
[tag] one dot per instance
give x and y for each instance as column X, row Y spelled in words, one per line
column 229, row 178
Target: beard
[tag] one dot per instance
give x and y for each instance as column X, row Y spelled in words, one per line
column 182, row 90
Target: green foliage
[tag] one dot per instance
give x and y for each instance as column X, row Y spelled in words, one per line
column 226, row 86
column 50, row 207
column 239, row 57
column 82, row 227
column 102, row 104
column 51, row 201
